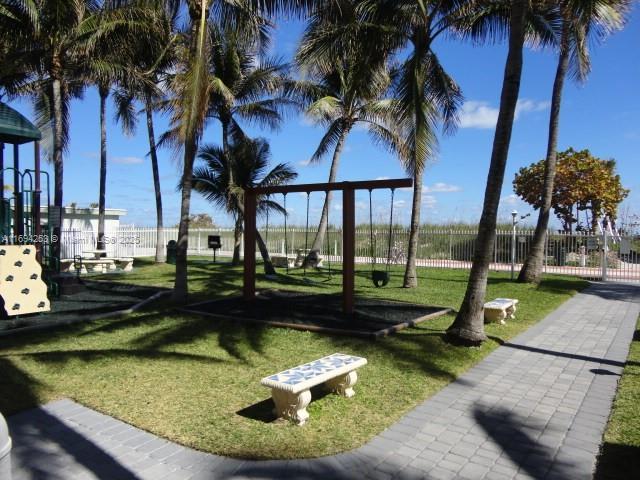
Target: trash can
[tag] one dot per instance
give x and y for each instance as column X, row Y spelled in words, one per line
column 5, row 450
column 172, row 249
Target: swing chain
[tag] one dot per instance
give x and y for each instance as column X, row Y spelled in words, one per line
column 393, row 192
column 372, row 245
column 286, row 248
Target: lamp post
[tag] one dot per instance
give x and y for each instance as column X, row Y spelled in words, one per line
column 514, row 222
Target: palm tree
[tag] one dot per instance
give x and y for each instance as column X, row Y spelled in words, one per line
column 582, row 21
column 251, row 88
column 347, row 83
column 226, row 175
column 193, row 87
column 426, row 94
column 152, row 59
column 468, row 327
column 44, row 38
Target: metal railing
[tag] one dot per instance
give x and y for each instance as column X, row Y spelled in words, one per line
column 579, row 254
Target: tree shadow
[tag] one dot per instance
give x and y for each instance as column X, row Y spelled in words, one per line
column 39, row 438
column 617, row 461
column 624, row 292
column 507, row 430
column 574, row 356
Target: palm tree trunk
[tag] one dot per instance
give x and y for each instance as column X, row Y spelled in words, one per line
column 410, row 273
column 181, row 288
column 318, row 241
column 160, row 252
column 468, row 327
column 264, row 253
column 532, row 269
column 104, row 93
column 198, row 25
column 57, row 162
column 237, row 241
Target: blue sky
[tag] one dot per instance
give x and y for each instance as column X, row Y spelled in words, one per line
column 603, row 115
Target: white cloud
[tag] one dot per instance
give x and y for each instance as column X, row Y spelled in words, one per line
column 304, row 163
column 526, row 105
column 382, row 178
column 476, row 114
column 429, row 202
column 400, row 203
column 441, row 187
column 127, row 160
column 510, row 200
column 337, row 207
column 479, row 114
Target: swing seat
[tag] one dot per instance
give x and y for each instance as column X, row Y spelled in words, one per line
column 380, row 278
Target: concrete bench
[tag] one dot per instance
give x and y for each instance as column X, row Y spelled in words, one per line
column 499, row 309
column 125, row 263
column 67, row 265
column 280, row 261
column 290, row 388
column 96, row 265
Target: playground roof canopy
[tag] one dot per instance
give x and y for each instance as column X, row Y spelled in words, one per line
column 15, row 128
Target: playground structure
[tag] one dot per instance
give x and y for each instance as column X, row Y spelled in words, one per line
column 21, row 222
column 22, row 290
column 348, row 228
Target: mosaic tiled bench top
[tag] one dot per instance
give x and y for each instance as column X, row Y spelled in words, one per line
column 290, row 388
column 303, row 377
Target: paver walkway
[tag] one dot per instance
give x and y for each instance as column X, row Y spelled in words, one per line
column 534, row 408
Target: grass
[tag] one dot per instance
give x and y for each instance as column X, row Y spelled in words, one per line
column 195, row 380
column 620, row 452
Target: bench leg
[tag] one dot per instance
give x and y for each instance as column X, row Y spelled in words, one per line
column 128, row 266
column 343, row 385
column 494, row 316
column 291, row 406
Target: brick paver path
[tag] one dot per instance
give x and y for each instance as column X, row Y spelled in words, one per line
column 534, row 408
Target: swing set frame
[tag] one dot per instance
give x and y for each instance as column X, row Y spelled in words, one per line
column 348, row 190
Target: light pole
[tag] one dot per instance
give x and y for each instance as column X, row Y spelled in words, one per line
column 514, row 222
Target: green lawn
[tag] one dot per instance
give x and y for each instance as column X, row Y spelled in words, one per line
column 195, row 380
column 620, row 453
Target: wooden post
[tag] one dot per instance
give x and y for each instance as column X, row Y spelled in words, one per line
column 348, row 249
column 249, row 245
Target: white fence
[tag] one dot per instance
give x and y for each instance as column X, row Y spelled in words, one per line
column 576, row 254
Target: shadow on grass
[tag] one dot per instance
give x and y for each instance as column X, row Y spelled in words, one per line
column 263, row 411
column 617, row 462
column 34, row 433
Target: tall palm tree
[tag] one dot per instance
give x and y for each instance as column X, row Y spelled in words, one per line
column 346, row 85
column 152, row 58
column 193, row 87
column 428, row 97
column 113, row 36
column 44, row 38
column 228, row 173
column 468, row 327
column 583, row 21
column 346, row 96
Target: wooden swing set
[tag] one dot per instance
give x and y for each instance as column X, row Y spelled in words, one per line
column 348, row 228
